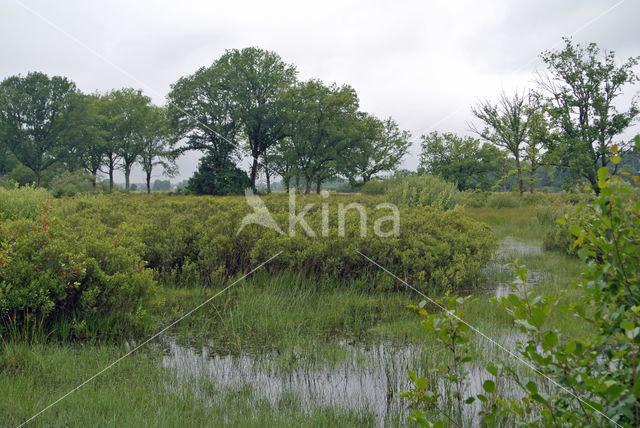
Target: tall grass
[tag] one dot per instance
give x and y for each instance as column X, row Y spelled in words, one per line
column 22, row 202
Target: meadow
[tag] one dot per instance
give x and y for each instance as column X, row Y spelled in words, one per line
column 319, row 337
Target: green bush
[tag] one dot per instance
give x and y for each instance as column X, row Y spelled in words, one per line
column 590, row 379
column 194, row 240
column 503, row 200
column 78, row 279
column 422, row 191
column 375, row 186
column 22, row 202
column 559, row 237
column 70, row 184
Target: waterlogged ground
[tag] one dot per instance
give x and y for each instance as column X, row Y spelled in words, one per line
column 367, row 378
column 279, row 352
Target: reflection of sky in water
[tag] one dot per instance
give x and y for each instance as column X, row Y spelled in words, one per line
column 369, row 378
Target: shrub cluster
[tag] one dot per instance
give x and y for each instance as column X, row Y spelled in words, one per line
column 77, row 281
column 422, row 191
column 88, row 267
column 22, row 202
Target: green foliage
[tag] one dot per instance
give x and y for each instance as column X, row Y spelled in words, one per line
column 195, row 239
column 461, row 160
column 453, row 334
column 423, row 191
column 583, row 85
column 70, row 184
column 33, row 114
column 378, row 146
column 375, row 187
column 560, row 238
column 22, row 202
column 215, row 178
column 79, row 279
column 579, row 381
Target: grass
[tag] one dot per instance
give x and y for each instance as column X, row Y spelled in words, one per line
column 301, row 325
column 136, row 393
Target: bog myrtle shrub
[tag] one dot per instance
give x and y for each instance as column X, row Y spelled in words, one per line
column 187, row 239
column 423, row 191
column 22, row 202
column 78, row 281
column 87, row 266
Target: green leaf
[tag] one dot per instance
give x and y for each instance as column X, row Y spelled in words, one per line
column 492, row 369
column 550, row 340
column 532, row 387
column 489, row 386
column 627, row 325
column 603, row 173
column 421, row 383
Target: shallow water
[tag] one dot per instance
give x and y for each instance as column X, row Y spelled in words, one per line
column 368, row 377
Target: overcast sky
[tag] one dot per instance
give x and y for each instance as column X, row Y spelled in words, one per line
column 423, row 63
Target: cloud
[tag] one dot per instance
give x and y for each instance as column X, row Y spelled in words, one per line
column 417, row 61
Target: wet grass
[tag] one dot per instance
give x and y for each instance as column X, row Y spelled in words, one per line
column 301, row 325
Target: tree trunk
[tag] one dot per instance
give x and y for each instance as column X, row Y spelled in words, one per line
column 308, row 185
column 318, row 184
column 37, row 172
column 254, row 172
column 287, row 182
column 94, row 176
column 111, row 177
column 297, row 182
column 148, row 182
column 268, row 176
column 127, row 172
column 518, row 167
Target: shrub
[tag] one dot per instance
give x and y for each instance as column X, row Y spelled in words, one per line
column 70, row 183
column 475, row 199
column 559, row 237
column 187, row 239
column 78, row 279
column 591, row 380
column 375, row 186
column 422, row 191
column 503, row 200
column 22, row 202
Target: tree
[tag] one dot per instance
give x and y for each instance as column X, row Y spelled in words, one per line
column 199, row 110
column 86, row 137
column 256, row 80
column 33, row 117
column 122, row 113
column 538, row 135
column 505, row 125
column 157, row 144
column 320, row 123
column 461, row 160
column 216, row 178
column 582, row 84
column 379, row 147
column 134, row 110
column 283, row 161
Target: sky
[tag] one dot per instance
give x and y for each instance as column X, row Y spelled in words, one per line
column 424, row 63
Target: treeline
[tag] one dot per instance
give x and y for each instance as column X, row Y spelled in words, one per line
column 568, row 127
column 250, row 103
column 247, row 103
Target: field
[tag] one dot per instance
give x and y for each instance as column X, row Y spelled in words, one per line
column 292, row 345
